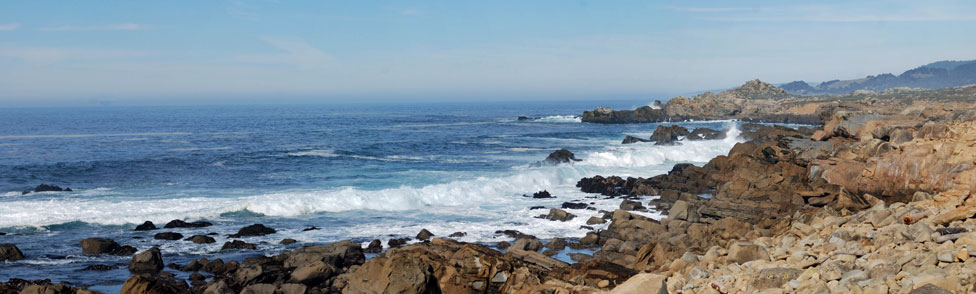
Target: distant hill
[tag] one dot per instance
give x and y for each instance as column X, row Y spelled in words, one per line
column 936, row 75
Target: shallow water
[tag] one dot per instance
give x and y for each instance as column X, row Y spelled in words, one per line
column 358, row 172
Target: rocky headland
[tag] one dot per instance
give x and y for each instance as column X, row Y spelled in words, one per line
column 876, row 197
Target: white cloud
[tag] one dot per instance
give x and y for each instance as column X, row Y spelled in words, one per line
column 297, row 52
column 9, row 26
column 112, row 27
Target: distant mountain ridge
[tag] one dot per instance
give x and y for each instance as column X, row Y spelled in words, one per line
column 936, row 75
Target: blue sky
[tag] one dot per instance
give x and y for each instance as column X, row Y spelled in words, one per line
column 130, row 51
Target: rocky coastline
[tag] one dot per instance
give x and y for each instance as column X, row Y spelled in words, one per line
column 878, row 197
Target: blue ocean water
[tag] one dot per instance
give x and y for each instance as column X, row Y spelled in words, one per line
column 356, row 171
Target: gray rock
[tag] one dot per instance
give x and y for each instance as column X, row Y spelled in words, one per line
column 559, row 215
column 774, row 277
column 149, row 261
column 527, row 244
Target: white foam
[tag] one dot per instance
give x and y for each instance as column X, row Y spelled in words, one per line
column 315, row 153
column 560, row 119
column 643, row 155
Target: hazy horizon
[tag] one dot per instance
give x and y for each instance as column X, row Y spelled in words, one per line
column 137, row 53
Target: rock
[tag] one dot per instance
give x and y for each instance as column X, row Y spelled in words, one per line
column 146, row 226
column 168, row 236
column 393, row 243
column 542, row 194
column 643, row 283
column 706, row 134
column 503, row 245
column 46, row 188
column 201, row 239
column 560, row 156
column 182, row 224
column 929, row 289
column 147, row 262
column 590, row 239
column 574, row 205
column 557, row 244
column 314, row 273
column 424, row 235
column 399, row 273
column 100, row 267
column 527, row 245
column 342, row 254
column 312, row 228
column 238, row 244
column 10, row 252
column 288, row 241
column 631, row 205
column 774, row 277
column 681, row 210
column 537, row 207
column 594, row 272
column 457, row 234
column 104, row 246
column 218, row 287
column 632, row 139
column 536, row 258
column 559, row 215
column 669, row 135
column 253, row 230
column 154, row 284
column 609, row 186
column 375, row 246
column 741, row 252
column 595, row 221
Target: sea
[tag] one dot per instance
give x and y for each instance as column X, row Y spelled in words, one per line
column 354, row 171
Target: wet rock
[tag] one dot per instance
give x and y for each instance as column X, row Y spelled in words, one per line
column 100, row 267
column 515, row 234
column 310, row 229
column 154, row 284
column 527, row 244
column 46, row 188
column 580, row 257
column 146, row 226
column 168, row 236
column 590, row 239
column 105, row 246
column 559, row 215
column 10, row 252
column 609, row 186
column 238, row 244
column 182, row 224
column 537, row 207
column 574, row 205
column 706, row 134
column 669, row 135
column 457, row 234
column 595, row 221
column 503, row 245
column 557, row 244
column 375, row 246
column 147, row 262
column 631, row 205
column 201, row 239
column 342, row 254
column 288, row 241
column 394, row 243
column 632, row 139
column 424, row 235
column 560, row 156
column 253, row 230
column 542, row 195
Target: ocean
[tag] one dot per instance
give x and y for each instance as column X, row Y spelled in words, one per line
column 355, row 171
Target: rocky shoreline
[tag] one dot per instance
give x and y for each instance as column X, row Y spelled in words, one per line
column 878, row 198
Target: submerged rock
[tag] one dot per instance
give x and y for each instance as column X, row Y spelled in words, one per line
column 47, row 188
column 542, row 194
column 182, row 224
column 201, row 239
column 558, row 157
column 253, row 230
column 146, row 226
column 168, row 236
column 10, row 252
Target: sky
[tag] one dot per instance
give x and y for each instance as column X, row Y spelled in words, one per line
column 131, row 52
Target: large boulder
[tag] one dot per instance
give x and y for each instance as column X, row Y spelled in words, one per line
column 168, row 236
column 149, row 284
column 643, row 283
column 669, row 135
column 238, row 244
column 147, row 262
column 526, row 244
column 342, row 254
column 105, row 246
column 146, row 226
column 10, row 252
column 394, row 274
column 201, row 239
column 559, row 215
column 742, row 252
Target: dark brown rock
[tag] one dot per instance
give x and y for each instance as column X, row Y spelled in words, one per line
column 201, row 239
column 147, row 262
column 168, row 236
column 424, row 235
column 375, row 246
column 10, row 252
column 253, row 230
column 238, row 244
column 146, row 226
column 182, row 224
